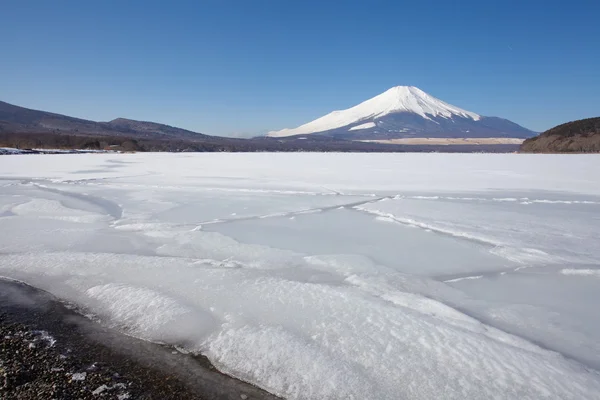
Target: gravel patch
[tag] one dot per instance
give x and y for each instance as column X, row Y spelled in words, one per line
column 49, row 351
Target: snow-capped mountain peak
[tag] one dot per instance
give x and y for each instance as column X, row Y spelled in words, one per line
column 399, row 99
column 414, row 100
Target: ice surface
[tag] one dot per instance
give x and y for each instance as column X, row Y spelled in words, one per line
column 513, row 227
column 316, row 276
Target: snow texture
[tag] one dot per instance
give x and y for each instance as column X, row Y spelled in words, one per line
column 328, row 276
column 407, row 99
column 366, row 125
column 588, row 272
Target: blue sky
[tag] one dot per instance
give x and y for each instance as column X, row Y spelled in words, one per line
column 243, row 67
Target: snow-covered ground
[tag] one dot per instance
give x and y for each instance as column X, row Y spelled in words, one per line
column 329, row 276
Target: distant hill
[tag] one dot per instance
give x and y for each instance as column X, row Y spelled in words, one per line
column 19, row 119
column 581, row 136
column 131, row 126
column 16, row 119
column 24, row 128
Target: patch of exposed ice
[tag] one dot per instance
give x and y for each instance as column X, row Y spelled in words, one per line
column 581, row 272
column 52, row 209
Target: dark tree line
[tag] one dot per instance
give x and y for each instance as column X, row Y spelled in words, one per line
column 49, row 140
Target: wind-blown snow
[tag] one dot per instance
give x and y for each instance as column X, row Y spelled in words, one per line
column 328, row 276
column 397, row 99
column 363, row 126
column 584, row 272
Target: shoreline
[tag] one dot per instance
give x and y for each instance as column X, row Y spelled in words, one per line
column 50, row 351
column 424, row 141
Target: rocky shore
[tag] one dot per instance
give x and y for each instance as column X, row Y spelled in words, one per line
column 48, row 351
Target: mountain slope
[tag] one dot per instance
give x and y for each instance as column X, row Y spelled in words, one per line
column 582, row 136
column 149, row 128
column 406, row 111
column 25, row 128
column 17, row 119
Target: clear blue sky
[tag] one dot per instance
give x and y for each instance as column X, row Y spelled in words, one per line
column 230, row 67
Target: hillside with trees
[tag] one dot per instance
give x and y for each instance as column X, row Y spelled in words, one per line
column 581, row 136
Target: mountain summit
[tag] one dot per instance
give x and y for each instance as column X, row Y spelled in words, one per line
column 406, row 111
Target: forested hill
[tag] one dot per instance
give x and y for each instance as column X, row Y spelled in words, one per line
column 581, row 136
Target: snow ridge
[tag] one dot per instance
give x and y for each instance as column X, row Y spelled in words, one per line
column 398, row 99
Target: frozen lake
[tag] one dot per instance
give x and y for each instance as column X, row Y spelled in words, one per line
column 329, row 276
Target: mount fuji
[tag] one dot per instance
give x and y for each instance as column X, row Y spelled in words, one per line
column 407, row 112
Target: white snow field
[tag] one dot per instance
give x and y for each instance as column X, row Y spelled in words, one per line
column 328, row 276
